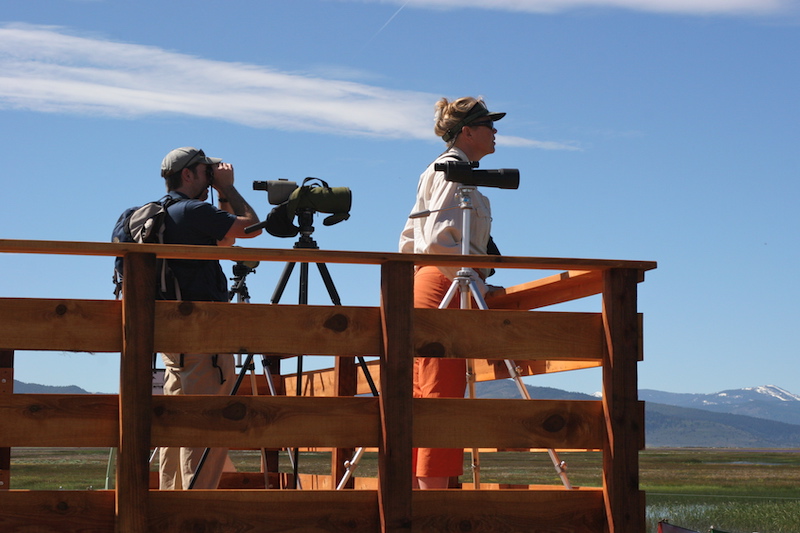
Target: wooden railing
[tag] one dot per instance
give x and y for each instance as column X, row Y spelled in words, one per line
column 134, row 420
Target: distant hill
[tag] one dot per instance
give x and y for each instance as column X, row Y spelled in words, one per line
column 723, row 424
column 32, row 388
column 507, row 389
column 671, row 426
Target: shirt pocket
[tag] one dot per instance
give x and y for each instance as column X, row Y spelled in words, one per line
column 481, row 207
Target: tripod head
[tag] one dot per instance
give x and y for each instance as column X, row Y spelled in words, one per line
column 243, row 268
column 239, row 288
column 305, row 219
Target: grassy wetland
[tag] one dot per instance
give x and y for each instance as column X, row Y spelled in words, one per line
column 737, row 491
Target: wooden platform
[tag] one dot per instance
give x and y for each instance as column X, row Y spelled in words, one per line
column 330, row 413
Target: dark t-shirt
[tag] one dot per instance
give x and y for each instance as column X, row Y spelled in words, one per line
column 200, row 223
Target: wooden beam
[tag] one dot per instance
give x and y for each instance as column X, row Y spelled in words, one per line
column 57, row 511
column 532, row 511
column 394, row 458
column 479, row 334
column 318, row 511
column 494, row 369
column 59, row 420
column 559, row 288
column 341, row 330
column 181, row 327
column 59, row 324
column 86, row 325
column 345, row 384
column 457, row 423
column 306, row 255
column 624, row 414
column 135, row 392
column 321, row 382
column 264, row 421
column 265, row 511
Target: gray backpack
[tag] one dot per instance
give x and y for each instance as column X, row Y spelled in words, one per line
column 146, row 224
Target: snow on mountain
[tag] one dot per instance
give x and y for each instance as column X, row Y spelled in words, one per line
column 768, row 401
column 763, row 393
column 777, row 392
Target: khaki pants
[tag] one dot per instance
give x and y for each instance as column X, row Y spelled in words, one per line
column 195, row 374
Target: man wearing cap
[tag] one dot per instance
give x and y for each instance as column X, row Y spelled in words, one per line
column 189, row 173
column 467, row 126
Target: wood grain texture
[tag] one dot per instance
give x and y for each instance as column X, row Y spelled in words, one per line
column 135, row 391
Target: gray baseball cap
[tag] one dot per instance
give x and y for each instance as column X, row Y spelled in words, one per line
column 180, row 158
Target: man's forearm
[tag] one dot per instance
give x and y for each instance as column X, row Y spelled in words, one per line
column 231, row 201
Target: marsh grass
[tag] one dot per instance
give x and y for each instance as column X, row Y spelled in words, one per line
column 732, row 514
column 58, row 468
column 739, row 491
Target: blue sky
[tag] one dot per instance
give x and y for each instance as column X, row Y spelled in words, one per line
column 659, row 130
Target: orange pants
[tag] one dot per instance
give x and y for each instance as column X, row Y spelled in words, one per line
column 437, row 378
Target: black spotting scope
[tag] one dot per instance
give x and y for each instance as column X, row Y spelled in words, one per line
column 463, row 172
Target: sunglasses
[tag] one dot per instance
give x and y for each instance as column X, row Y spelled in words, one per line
column 488, row 123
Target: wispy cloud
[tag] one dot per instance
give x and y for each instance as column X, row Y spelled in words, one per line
column 47, row 69
column 520, row 142
column 695, row 7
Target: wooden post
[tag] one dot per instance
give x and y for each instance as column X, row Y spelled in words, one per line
column 345, row 384
column 624, row 417
column 397, row 363
column 6, row 387
column 270, row 459
column 135, row 392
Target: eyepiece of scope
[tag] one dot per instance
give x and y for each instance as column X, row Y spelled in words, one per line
column 278, row 191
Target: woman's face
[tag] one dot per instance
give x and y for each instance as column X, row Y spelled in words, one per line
column 482, row 133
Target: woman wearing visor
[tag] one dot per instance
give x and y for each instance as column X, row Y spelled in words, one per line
column 467, row 126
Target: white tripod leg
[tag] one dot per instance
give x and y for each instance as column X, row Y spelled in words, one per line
column 448, row 297
column 560, row 466
column 350, row 467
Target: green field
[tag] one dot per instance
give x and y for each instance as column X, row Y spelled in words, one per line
column 738, row 491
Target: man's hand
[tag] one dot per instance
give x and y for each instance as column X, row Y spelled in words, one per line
column 233, row 203
column 223, row 178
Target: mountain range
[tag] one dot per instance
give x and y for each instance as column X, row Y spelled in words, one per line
column 770, row 402
column 757, row 417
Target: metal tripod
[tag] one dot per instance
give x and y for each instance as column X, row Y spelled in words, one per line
column 305, row 219
column 464, row 283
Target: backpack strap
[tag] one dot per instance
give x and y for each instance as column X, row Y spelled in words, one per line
column 170, row 198
column 165, row 272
